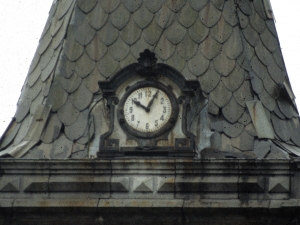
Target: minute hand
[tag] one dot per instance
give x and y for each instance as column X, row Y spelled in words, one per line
column 152, row 100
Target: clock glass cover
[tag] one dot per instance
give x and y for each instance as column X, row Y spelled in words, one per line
column 147, row 109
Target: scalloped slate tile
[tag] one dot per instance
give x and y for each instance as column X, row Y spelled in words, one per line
column 187, row 48
column 68, row 114
column 235, row 79
column 268, row 101
column 10, row 134
column 72, row 49
column 44, row 43
column 178, row 29
column 119, row 50
column 65, row 67
column 209, row 80
column 63, row 8
column 243, row 19
column 23, row 129
column 120, row 17
column 84, row 65
column 246, row 7
column 257, row 23
column 218, row 3
column 86, row 6
column 57, row 96
column 263, row 54
column 164, row 49
column 91, row 81
column 222, row 31
column 175, row 5
column 152, row 33
column 210, row 48
column 295, row 131
column 81, row 98
column 52, row 129
column 132, row 6
column 232, row 130
column 139, row 47
column 213, row 108
column 271, row 26
column 233, row 111
column 104, row 69
column 243, row 94
column 271, row 87
column 198, row 31
column 221, row 95
column 234, row 46
column 285, row 107
column 259, row 69
column 96, row 49
column 131, row 33
column 46, row 72
column 154, row 5
column 62, row 148
column 55, row 25
column 276, row 73
column 127, row 61
column 198, row 5
column 245, row 118
column 164, row 17
column 223, row 64
column 176, row 62
column 229, row 12
column 251, row 36
column 269, row 41
column 244, row 141
column 260, row 9
column 257, row 84
column 108, row 34
column 143, row 17
column 187, row 16
column 198, row 64
column 70, row 84
column 76, row 129
column 109, row 5
column 210, row 15
column 98, row 17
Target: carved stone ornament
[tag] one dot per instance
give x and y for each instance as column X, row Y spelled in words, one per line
column 148, row 106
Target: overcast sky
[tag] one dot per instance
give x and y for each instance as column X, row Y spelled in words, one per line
column 22, row 22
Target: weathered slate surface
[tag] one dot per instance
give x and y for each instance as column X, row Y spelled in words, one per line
column 231, row 47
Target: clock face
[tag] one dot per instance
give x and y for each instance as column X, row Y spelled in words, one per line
column 147, row 109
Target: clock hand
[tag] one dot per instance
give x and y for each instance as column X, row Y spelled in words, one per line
column 140, row 105
column 152, row 100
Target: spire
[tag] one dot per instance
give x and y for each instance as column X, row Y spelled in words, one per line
column 231, row 47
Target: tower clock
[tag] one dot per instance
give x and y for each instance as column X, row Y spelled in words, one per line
column 148, row 106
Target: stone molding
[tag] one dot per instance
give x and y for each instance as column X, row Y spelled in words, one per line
column 170, row 179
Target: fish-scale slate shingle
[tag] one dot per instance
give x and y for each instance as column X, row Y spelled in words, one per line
column 230, row 46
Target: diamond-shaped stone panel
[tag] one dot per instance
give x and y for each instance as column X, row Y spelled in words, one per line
column 9, row 184
column 143, row 184
column 165, row 184
column 279, row 185
column 120, row 184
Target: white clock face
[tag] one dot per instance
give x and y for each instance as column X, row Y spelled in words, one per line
column 147, row 109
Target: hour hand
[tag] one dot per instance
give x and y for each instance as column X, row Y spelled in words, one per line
column 140, row 105
column 152, row 100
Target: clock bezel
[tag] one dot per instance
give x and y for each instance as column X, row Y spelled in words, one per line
column 154, row 134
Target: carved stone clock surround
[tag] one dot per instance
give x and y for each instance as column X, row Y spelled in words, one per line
column 148, row 73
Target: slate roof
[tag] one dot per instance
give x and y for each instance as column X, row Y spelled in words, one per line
column 230, row 46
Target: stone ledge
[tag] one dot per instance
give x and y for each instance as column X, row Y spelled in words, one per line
column 146, row 203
